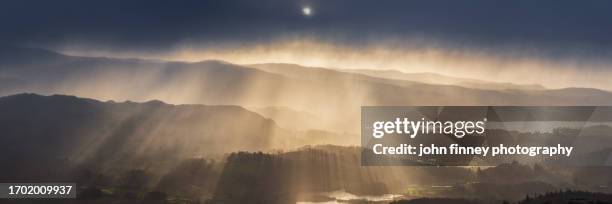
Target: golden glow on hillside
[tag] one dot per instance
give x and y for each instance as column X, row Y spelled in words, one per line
column 516, row 66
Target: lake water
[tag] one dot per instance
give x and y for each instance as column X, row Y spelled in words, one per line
column 343, row 196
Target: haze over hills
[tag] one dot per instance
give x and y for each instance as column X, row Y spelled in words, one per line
column 77, row 129
column 92, row 140
column 395, row 77
column 433, row 78
column 333, row 95
column 438, row 84
column 198, row 148
column 55, row 128
column 292, row 119
column 61, row 71
column 305, row 102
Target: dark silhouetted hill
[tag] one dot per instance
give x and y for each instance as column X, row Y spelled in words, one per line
column 40, row 130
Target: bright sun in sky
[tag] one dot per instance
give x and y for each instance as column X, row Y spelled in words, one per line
column 307, row 11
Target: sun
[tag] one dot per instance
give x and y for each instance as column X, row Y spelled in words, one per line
column 307, row 11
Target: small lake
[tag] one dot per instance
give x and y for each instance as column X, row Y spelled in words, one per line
column 343, row 197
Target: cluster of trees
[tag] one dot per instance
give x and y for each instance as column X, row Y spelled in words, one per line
column 284, row 177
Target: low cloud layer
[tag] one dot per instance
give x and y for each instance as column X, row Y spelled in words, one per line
column 549, row 25
column 554, row 43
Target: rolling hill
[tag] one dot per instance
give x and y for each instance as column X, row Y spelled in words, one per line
column 42, row 129
column 433, row 78
column 333, row 95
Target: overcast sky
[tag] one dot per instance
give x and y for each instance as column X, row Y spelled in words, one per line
column 553, row 24
column 473, row 38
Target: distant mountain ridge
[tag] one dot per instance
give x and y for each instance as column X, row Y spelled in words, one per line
column 326, row 93
column 423, row 77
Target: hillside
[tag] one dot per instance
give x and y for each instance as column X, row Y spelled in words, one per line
column 325, row 93
column 433, row 78
column 66, row 128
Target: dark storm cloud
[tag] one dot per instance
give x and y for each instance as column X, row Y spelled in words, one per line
column 556, row 25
